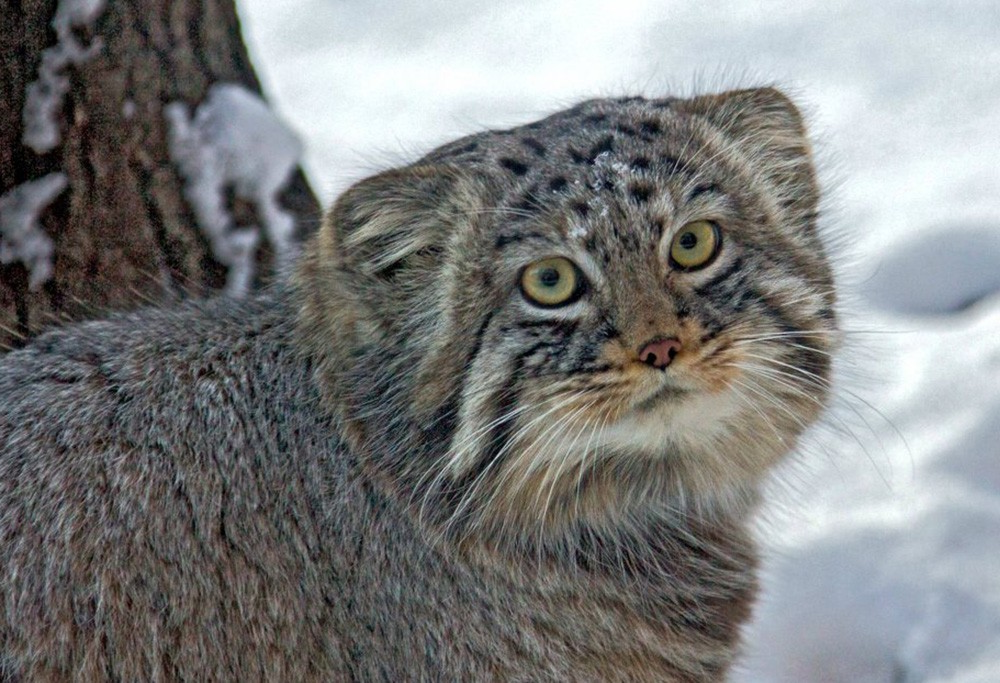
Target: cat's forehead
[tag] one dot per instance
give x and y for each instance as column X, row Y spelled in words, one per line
column 601, row 159
column 569, row 144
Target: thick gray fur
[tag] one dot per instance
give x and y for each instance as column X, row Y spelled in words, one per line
column 250, row 548
column 351, row 477
column 132, row 553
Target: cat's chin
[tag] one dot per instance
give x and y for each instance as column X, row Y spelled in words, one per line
column 669, row 393
column 676, row 416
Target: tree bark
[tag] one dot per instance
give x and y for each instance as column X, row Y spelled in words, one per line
column 122, row 231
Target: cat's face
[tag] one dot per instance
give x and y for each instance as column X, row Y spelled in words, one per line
column 623, row 305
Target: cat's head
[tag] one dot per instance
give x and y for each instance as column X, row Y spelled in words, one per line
column 622, row 306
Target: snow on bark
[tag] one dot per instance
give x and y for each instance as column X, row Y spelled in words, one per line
column 43, row 97
column 235, row 141
column 21, row 238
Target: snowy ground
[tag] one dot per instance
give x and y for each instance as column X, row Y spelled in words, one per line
column 883, row 538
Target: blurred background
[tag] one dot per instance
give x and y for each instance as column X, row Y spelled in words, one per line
column 882, row 536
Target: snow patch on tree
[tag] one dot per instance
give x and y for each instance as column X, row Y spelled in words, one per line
column 43, row 97
column 21, row 238
column 235, row 141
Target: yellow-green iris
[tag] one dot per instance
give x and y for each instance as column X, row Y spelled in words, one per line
column 550, row 281
column 695, row 245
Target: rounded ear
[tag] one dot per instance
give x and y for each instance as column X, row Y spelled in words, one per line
column 768, row 129
column 380, row 274
column 395, row 225
column 376, row 262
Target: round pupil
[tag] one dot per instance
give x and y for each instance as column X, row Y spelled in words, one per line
column 688, row 240
column 549, row 277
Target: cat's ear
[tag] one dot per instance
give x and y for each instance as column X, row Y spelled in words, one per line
column 393, row 227
column 769, row 131
column 384, row 245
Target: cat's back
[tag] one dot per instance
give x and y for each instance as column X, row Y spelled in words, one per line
column 141, row 380
column 153, row 485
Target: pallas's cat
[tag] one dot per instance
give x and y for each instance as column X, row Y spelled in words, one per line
column 506, row 421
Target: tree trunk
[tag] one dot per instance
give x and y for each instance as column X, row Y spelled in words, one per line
column 103, row 181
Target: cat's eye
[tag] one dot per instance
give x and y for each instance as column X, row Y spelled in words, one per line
column 695, row 245
column 552, row 281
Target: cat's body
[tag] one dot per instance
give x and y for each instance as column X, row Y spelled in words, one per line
column 394, row 468
column 258, row 548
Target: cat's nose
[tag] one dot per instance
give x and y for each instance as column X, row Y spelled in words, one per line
column 658, row 353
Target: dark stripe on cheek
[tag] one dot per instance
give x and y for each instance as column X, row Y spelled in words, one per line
column 810, row 361
column 563, row 327
column 778, row 317
column 711, row 329
column 445, row 421
column 444, row 424
column 558, row 340
column 606, row 332
column 721, row 276
column 738, row 301
column 827, row 314
column 506, row 398
column 728, row 295
column 477, row 344
column 500, row 434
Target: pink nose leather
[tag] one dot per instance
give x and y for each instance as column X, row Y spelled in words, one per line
column 659, row 352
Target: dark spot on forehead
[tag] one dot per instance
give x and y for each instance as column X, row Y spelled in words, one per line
column 534, row 145
column 626, row 129
column 650, row 126
column 606, row 144
column 640, row 192
column 526, row 204
column 582, row 208
column 640, row 163
column 558, row 184
column 674, row 165
column 516, row 167
column 596, row 118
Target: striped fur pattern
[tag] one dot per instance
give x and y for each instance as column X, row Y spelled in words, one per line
column 396, row 467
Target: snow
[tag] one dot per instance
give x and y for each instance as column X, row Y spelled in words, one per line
column 949, row 269
column 882, row 535
column 21, row 237
column 235, row 141
column 43, row 97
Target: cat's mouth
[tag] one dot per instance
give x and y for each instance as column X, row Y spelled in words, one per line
column 670, row 392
